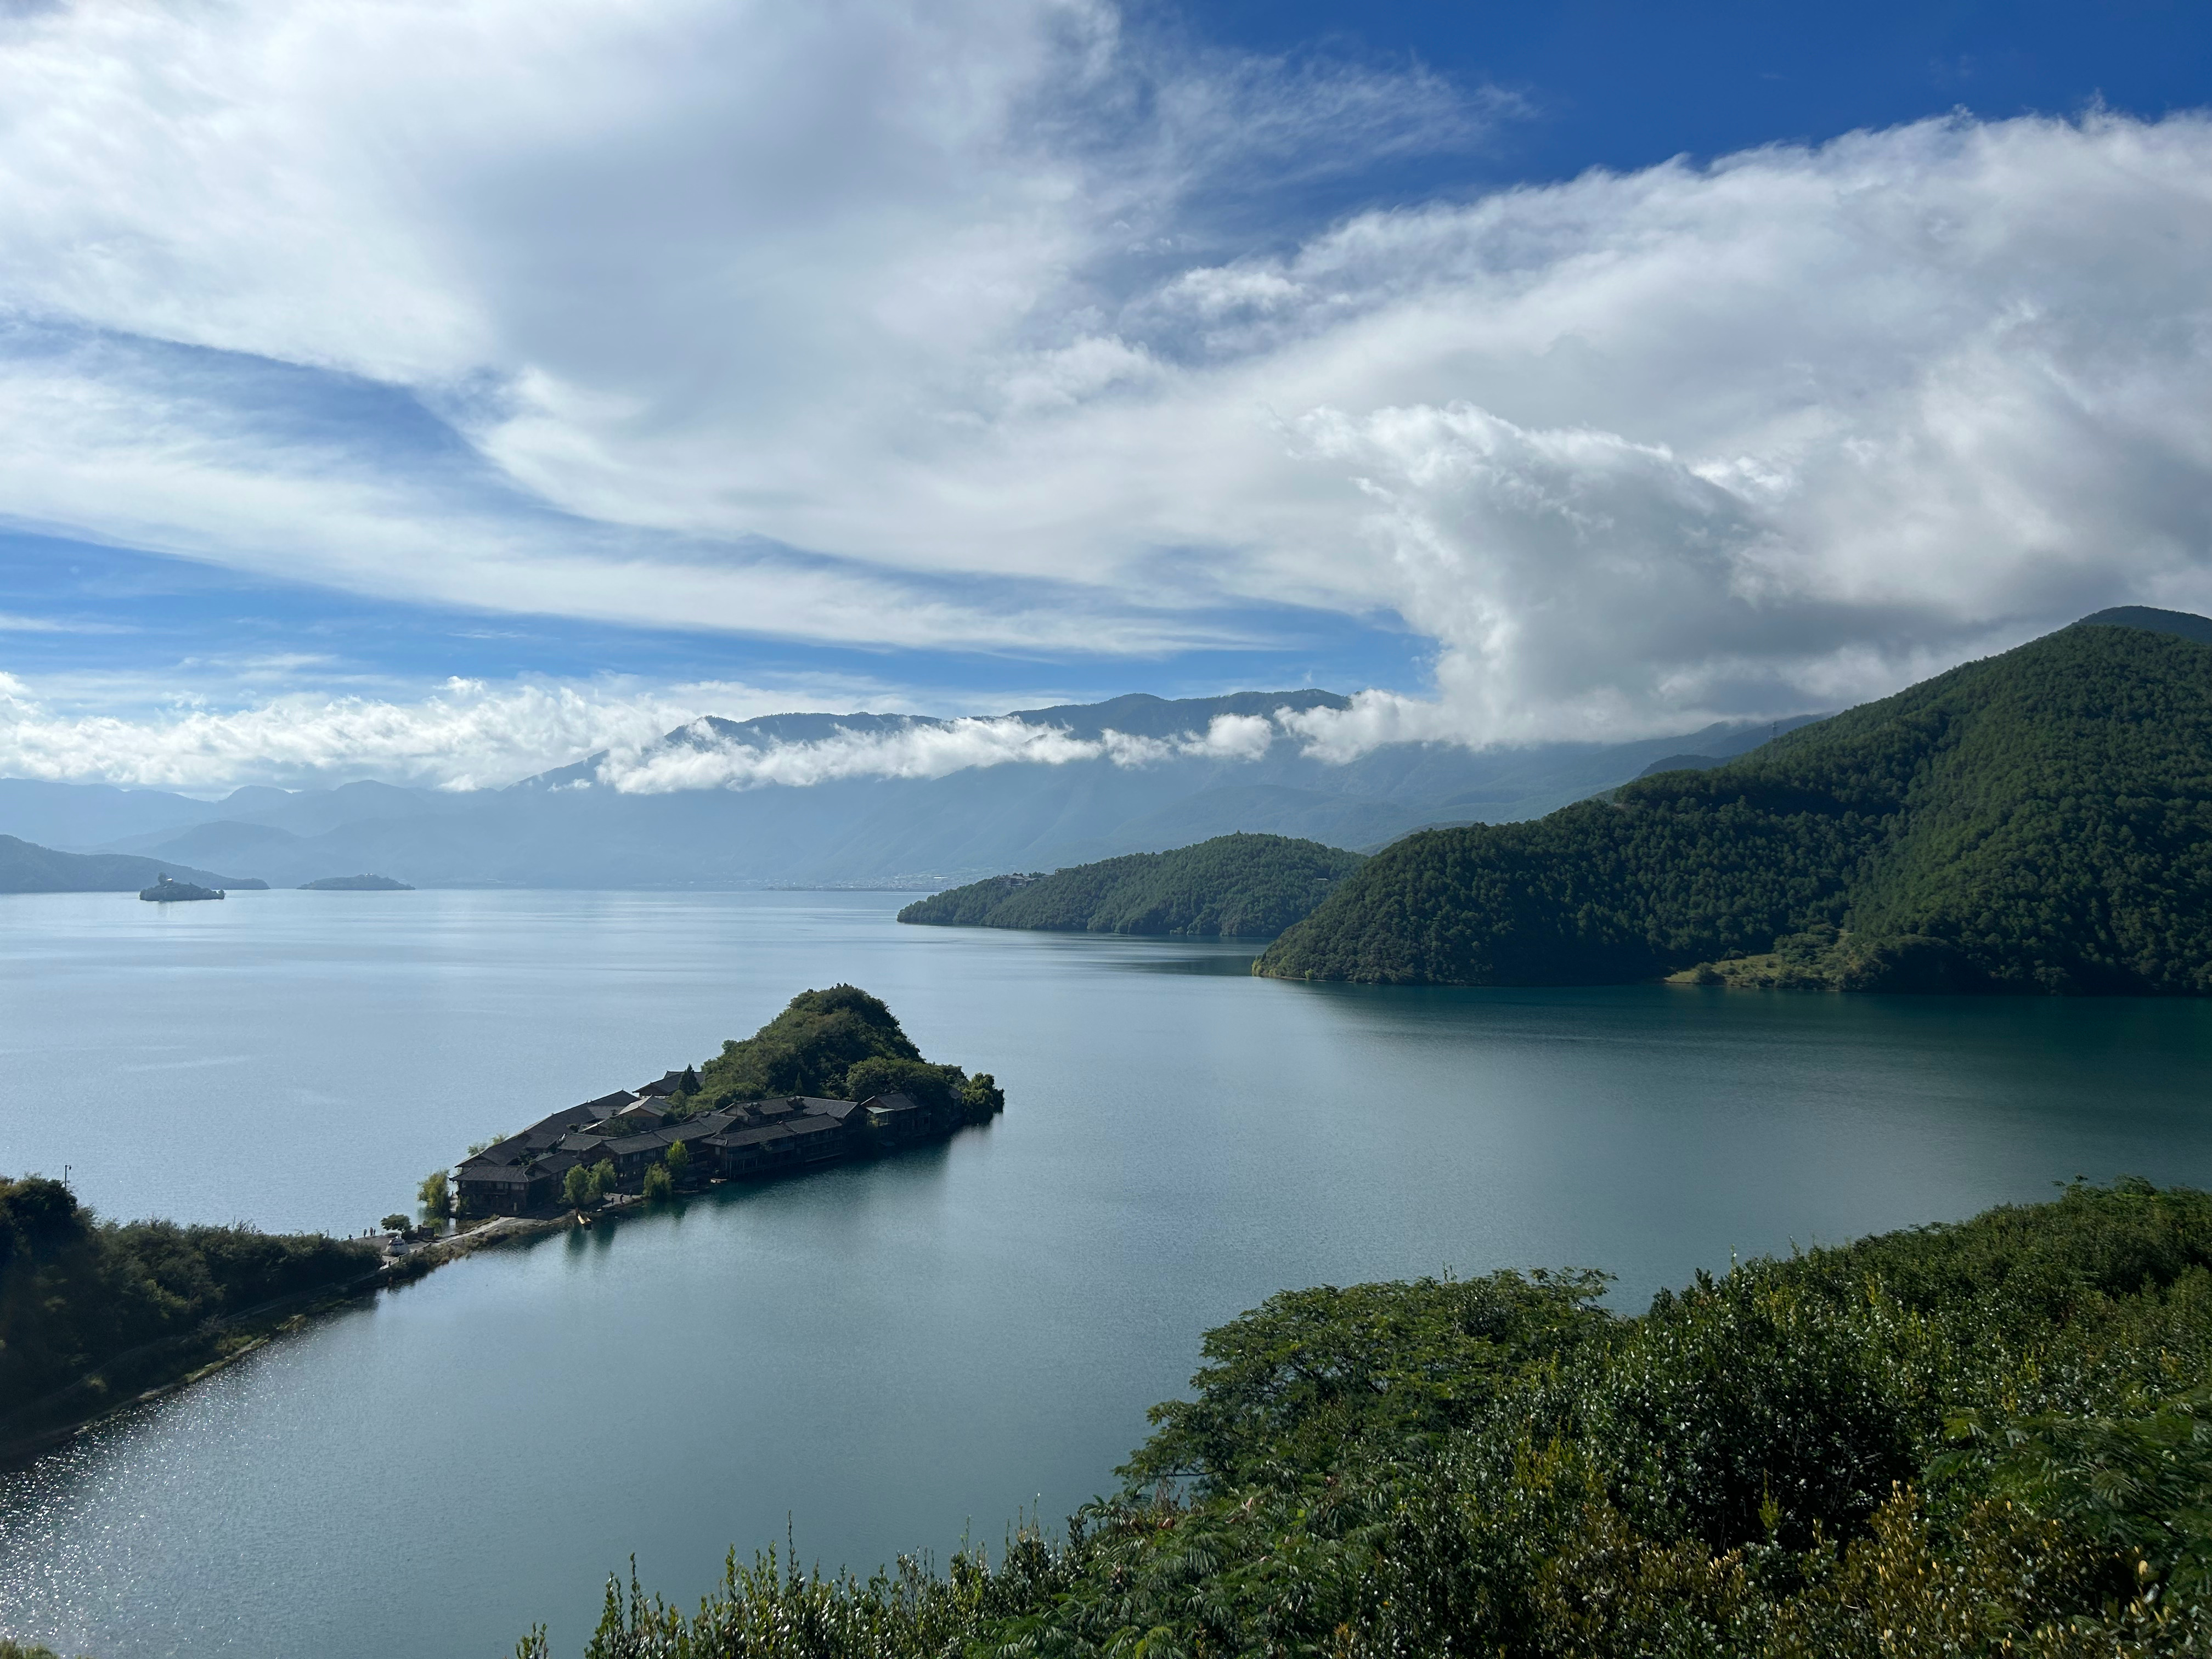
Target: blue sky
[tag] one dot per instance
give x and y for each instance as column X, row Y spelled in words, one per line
column 682, row 358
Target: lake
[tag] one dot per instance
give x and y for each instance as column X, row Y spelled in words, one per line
column 883, row 1357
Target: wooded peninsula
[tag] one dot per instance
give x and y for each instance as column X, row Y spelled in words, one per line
column 1236, row 886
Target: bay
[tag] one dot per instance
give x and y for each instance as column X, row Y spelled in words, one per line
column 885, row 1356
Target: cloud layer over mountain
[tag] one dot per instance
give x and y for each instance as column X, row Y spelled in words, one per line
column 998, row 326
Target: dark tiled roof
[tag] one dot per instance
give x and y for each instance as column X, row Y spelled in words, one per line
column 582, row 1143
column 893, row 1101
column 766, row 1135
column 836, row 1110
column 810, row 1126
column 498, row 1175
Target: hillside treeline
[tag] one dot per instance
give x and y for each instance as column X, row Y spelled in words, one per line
column 1240, row 886
column 2040, row 821
column 92, row 1311
column 1989, row 1438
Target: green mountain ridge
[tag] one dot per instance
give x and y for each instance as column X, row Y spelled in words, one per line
column 2039, row 821
column 1235, row 885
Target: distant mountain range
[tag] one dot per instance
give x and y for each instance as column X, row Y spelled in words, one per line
column 2040, row 821
column 547, row 831
column 26, row 868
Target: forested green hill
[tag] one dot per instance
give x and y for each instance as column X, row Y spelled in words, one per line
column 2037, row 821
column 1241, row 886
column 1984, row 1439
column 837, row 1044
column 92, row 1312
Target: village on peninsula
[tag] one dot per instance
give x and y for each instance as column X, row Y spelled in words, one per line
column 620, row 1137
column 767, row 1106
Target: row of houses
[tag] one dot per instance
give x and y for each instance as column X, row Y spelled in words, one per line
column 633, row 1129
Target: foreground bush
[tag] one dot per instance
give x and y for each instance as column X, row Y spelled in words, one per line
column 1989, row 1438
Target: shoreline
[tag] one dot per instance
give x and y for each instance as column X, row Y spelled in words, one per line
column 223, row 1342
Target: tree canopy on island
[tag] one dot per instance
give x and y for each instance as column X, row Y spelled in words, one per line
column 2038, row 821
column 1242, row 886
column 837, row 1044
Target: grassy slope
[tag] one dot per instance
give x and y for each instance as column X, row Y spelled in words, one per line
column 1245, row 885
column 1987, row 1438
column 2040, row 821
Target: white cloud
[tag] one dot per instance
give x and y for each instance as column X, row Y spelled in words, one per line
column 924, row 749
column 469, row 734
column 941, row 292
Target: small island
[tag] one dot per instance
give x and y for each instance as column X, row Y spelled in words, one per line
column 833, row 1076
column 165, row 892
column 356, row 884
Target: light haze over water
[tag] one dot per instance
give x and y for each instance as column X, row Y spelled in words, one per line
column 883, row 1355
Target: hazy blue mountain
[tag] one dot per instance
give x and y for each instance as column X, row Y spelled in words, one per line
column 546, row 831
column 25, row 868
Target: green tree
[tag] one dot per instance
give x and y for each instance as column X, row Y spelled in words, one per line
column 395, row 1223
column 576, row 1187
column 679, row 1162
column 603, row 1179
column 657, row 1184
column 435, row 1195
column 935, row 1086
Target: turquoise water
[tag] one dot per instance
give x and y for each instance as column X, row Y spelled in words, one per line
column 884, row 1357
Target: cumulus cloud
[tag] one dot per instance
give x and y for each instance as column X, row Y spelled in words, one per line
column 918, row 749
column 467, row 735
column 947, row 296
column 470, row 734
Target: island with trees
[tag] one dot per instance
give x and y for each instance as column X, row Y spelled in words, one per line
column 832, row 1077
column 356, row 884
column 2040, row 821
column 1987, row 1438
column 165, row 891
column 1250, row 886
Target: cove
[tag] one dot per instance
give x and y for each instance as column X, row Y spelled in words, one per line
column 883, row 1356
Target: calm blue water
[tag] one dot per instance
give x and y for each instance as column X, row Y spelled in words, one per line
column 881, row 1357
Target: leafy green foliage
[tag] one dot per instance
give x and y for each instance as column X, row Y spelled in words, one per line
column 837, row 1044
column 84, row 1298
column 807, row 1049
column 1244, row 885
column 2040, row 821
column 1313, row 1372
column 1987, row 1438
column 435, row 1195
column 657, row 1184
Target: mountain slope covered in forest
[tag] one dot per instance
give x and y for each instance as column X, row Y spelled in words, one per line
column 2037, row 821
column 1241, row 886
